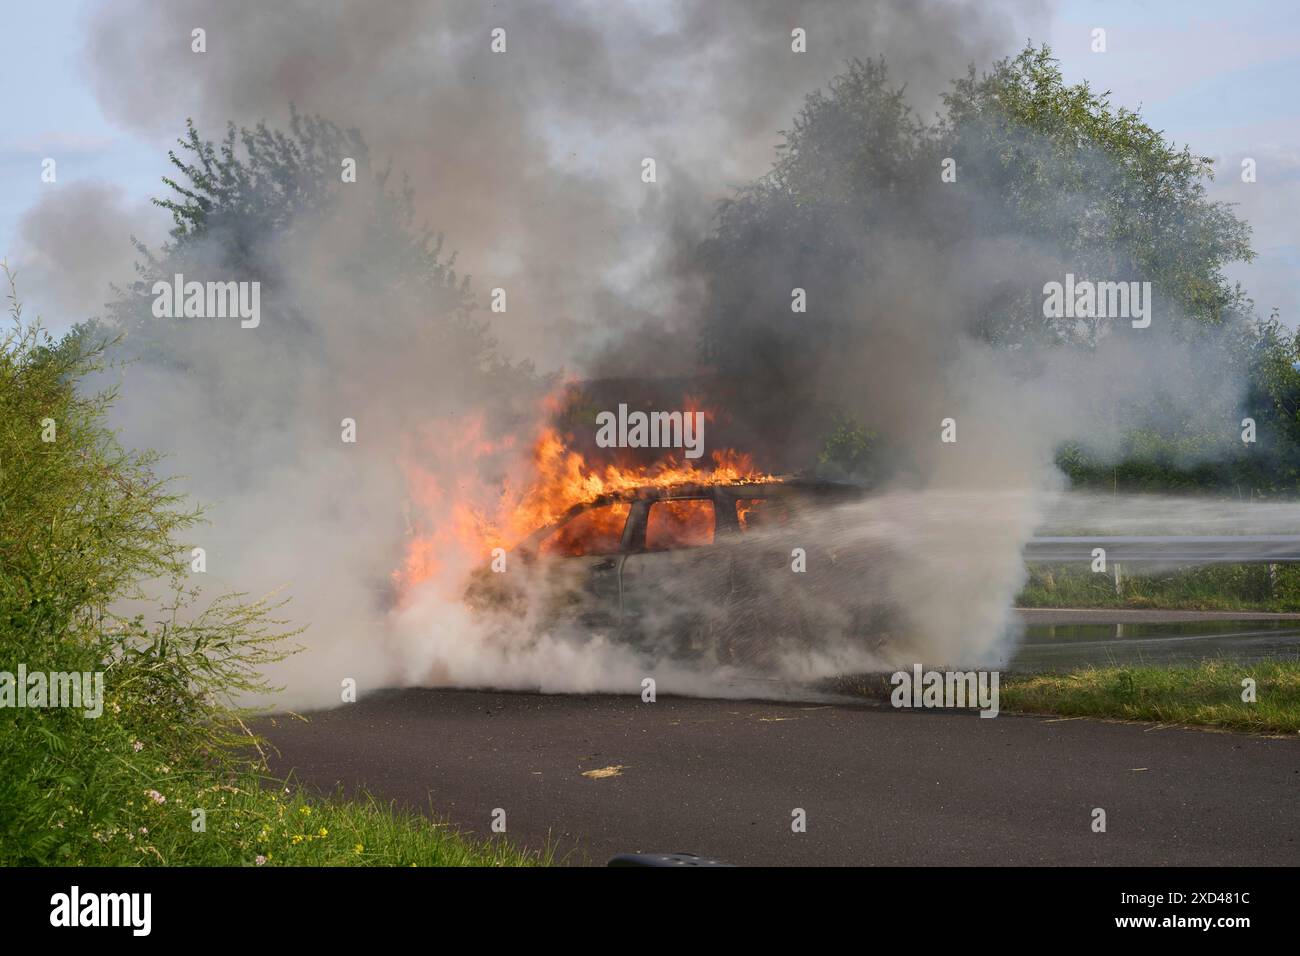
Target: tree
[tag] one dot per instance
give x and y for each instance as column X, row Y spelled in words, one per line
column 271, row 206
column 1095, row 182
column 1052, row 171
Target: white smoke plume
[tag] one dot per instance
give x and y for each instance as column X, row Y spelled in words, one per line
column 530, row 162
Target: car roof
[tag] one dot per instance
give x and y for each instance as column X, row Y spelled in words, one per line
column 737, row 489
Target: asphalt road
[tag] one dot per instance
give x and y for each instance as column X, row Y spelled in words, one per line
column 881, row 787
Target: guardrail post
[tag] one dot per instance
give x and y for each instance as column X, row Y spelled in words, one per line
column 1119, row 589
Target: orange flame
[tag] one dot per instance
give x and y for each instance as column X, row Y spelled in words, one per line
column 459, row 523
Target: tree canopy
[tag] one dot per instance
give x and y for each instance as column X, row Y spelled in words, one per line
column 1058, row 173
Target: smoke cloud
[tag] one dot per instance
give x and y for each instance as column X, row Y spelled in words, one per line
column 530, row 163
column 75, row 243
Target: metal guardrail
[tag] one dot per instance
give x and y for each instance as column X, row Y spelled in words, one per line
column 1167, row 549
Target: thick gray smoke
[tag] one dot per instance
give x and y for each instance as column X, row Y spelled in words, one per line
column 530, row 162
column 75, row 243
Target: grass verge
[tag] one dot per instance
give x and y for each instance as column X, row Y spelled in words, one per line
column 252, row 822
column 1207, row 695
column 134, row 787
column 128, row 789
column 1204, row 695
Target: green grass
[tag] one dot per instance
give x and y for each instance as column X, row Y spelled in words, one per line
column 1206, row 694
column 253, row 823
column 123, row 790
column 1233, row 587
column 119, row 791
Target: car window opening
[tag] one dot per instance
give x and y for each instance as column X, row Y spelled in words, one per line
column 594, row 531
column 682, row 523
column 756, row 514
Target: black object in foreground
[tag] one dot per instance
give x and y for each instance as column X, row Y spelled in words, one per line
column 663, row 859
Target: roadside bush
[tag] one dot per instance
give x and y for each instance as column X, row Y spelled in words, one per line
column 94, row 577
column 86, row 531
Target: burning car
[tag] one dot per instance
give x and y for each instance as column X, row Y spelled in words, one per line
column 733, row 569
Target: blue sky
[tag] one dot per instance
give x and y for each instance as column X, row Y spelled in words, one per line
column 1221, row 77
column 50, row 110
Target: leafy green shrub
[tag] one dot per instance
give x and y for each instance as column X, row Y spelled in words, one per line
column 88, row 537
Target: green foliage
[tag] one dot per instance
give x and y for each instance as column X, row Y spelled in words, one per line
column 249, row 821
column 849, row 452
column 81, row 519
column 65, row 553
column 1050, row 166
column 1047, row 168
column 274, row 186
column 93, row 578
column 1207, row 694
column 87, row 532
column 269, row 205
column 1095, row 182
